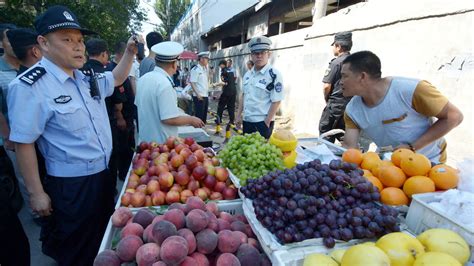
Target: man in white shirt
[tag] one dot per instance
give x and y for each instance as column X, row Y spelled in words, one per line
column 156, row 100
column 199, row 80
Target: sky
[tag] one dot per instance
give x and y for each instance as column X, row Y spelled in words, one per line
column 152, row 19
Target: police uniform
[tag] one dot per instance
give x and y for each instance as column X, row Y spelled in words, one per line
column 261, row 88
column 156, row 99
column 199, row 75
column 70, row 125
column 228, row 96
column 333, row 114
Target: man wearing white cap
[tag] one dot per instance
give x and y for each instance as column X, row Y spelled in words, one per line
column 199, row 79
column 262, row 90
column 156, row 100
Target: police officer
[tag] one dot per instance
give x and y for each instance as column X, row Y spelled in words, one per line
column 199, row 79
column 156, row 100
column 262, row 90
column 98, row 53
column 332, row 116
column 227, row 98
column 71, row 127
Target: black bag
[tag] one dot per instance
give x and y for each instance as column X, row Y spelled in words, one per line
column 10, row 195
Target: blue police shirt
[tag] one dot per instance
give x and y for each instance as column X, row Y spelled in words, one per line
column 71, row 128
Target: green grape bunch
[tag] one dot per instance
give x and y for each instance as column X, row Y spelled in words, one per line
column 250, row 156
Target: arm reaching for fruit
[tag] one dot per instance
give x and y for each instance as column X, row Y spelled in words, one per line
column 351, row 138
column 184, row 120
column 26, row 157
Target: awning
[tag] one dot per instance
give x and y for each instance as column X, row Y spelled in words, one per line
column 188, row 55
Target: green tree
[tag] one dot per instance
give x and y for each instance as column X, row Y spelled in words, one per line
column 170, row 12
column 113, row 20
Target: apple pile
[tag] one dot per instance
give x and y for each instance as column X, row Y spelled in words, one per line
column 171, row 172
column 194, row 234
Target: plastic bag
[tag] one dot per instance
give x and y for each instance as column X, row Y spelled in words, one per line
column 466, row 175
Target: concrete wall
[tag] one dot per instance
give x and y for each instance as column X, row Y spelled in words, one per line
column 426, row 39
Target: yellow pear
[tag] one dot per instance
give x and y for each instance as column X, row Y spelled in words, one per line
column 319, row 260
column 363, row 255
column 401, row 248
column 369, row 243
column 337, row 255
column 446, row 241
column 436, row 258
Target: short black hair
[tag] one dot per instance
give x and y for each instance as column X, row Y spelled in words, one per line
column 364, row 61
column 346, row 46
column 153, row 38
column 119, row 47
column 222, row 62
column 95, row 47
column 4, row 27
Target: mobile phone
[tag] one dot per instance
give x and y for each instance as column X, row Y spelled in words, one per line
column 140, row 46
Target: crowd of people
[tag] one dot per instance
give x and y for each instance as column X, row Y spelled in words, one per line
column 68, row 121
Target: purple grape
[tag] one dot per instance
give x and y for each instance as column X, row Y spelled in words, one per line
column 329, row 242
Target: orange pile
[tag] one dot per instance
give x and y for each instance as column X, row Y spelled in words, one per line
column 407, row 173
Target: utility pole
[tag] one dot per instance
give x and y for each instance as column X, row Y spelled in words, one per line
column 320, row 8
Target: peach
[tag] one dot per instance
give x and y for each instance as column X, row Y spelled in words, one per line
column 190, row 239
column 248, row 255
column 188, row 261
column 107, row 258
column 152, row 186
column 162, row 230
column 176, row 217
column 157, row 219
column 227, row 259
column 228, row 242
column 196, row 203
column 158, row 198
column 121, row 216
column 159, row 263
column 212, row 207
column 185, row 194
column 137, row 199
column 174, row 250
column 196, row 220
column 172, row 196
column 238, row 226
column 148, row 254
column 253, row 242
column 128, row 246
column 223, row 224
column 206, row 241
column 144, row 217
column 132, row 229
column 241, row 236
column 147, row 234
column 226, row 216
column 200, row 258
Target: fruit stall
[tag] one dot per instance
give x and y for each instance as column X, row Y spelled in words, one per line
column 287, row 201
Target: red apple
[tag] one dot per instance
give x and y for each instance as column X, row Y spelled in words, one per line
column 153, row 145
column 165, row 179
column 189, row 141
column 158, row 198
column 182, row 178
column 173, row 153
column 141, row 188
column 133, row 184
column 180, row 147
column 209, row 182
column 151, row 170
column 162, row 168
column 137, row 199
column 222, row 174
column 152, row 186
column 125, row 199
column 176, row 187
column 163, row 148
column 216, row 196
column 184, row 168
column 215, row 161
column 170, row 142
column 191, row 162
column 200, row 155
column 177, row 161
column 154, row 177
column 219, row 187
column 140, row 170
column 229, row 193
column 172, row 196
column 148, row 202
column 193, row 185
column 199, row 172
column 201, row 193
column 133, row 177
column 144, row 179
column 208, row 191
column 185, row 153
column 194, row 147
column 143, row 145
column 131, row 190
column 210, row 169
column 185, row 194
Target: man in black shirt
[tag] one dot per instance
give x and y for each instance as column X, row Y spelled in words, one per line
column 227, row 98
column 333, row 113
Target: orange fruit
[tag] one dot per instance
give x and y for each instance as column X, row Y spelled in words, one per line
column 370, row 160
column 392, row 176
column 399, row 154
column 352, row 156
column 367, row 173
column 415, row 164
column 376, row 169
column 393, row 196
column 375, row 181
column 418, row 184
column 444, row 176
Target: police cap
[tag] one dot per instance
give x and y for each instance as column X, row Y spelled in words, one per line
column 259, row 43
column 167, row 51
column 57, row 18
column 22, row 37
column 344, row 37
column 204, row 54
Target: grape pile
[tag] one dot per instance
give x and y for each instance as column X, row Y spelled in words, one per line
column 315, row 200
column 250, row 156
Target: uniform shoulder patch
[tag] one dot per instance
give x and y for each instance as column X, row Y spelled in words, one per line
column 33, row 75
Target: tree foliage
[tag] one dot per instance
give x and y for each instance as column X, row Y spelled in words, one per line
column 113, row 20
column 170, row 12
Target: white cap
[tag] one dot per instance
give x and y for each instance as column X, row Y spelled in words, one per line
column 167, row 51
column 259, row 43
column 204, row 54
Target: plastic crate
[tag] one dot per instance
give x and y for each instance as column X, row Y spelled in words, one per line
column 232, row 207
column 422, row 216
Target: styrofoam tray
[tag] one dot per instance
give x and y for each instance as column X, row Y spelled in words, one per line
column 232, row 207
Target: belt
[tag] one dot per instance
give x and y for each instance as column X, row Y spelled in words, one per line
column 74, row 169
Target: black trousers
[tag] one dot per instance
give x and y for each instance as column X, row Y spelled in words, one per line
column 126, row 139
column 81, row 209
column 260, row 127
column 229, row 102
column 200, row 108
column 332, row 118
